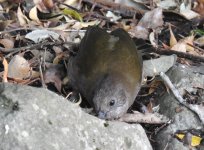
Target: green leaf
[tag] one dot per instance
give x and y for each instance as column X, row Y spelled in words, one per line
column 72, row 13
column 199, row 32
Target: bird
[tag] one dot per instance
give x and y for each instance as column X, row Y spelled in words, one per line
column 107, row 71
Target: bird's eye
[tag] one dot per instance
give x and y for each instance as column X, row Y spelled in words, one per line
column 112, row 102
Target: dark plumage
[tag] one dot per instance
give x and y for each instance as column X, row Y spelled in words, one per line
column 107, row 71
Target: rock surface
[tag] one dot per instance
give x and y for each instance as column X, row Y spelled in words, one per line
column 182, row 77
column 37, row 119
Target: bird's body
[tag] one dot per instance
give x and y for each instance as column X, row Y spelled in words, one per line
column 107, row 71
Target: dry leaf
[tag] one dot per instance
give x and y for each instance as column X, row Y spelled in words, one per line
column 79, row 25
column 152, row 87
column 4, row 24
column 7, row 43
column 200, row 41
column 55, row 74
column 187, row 12
column 199, row 7
column 139, row 32
column 48, row 4
column 166, row 4
column 73, row 3
column 149, row 107
column 5, row 75
column 112, row 16
column 33, row 14
column 23, row 20
column 151, row 20
column 152, row 39
column 189, row 40
column 165, row 46
column 59, row 57
column 19, row 68
column 181, row 47
column 173, row 40
column 40, row 35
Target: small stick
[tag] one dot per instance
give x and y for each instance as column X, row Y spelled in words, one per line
column 179, row 54
column 150, row 118
column 33, row 46
column 41, row 74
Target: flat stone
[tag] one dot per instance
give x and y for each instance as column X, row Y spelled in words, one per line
column 38, row 119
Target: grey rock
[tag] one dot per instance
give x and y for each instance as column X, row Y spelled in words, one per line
column 37, row 119
column 153, row 67
column 182, row 77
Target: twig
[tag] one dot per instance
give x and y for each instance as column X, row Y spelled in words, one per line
column 179, row 54
column 12, row 51
column 74, row 30
column 150, row 118
column 41, row 74
column 196, row 47
column 18, row 29
column 176, row 93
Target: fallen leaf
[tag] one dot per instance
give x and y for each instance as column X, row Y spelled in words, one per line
column 73, row 3
column 181, row 47
column 199, row 7
column 33, row 14
column 189, row 40
column 79, row 25
column 173, row 40
column 7, row 43
column 139, row 32
column 151, row 20
column 59, row 57
column 40, row 35
column 112, row 16
column 55, row 74
column 19, row 68
column 200, row 41
column 48, row 4
column 166, row 4
column 4, row 24
column 189, row 137
column 187, row 12
column 152, row 39
column 5, row 75
column 23, row 20
column 72, row 13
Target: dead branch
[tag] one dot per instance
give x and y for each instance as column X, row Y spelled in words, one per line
column 150, row 118
column 180, row 54
column 12, row 51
